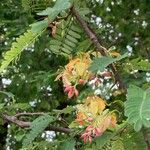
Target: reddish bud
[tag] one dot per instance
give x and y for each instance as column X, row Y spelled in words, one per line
column 86, row 137
column 89, row 128
column 67, row 89
column 81, row 81
column 97, row 132
column 71, row 93
column 85, row 134
column 76, row 92
column 90, row 139
column 90, row 119
column 71, row 90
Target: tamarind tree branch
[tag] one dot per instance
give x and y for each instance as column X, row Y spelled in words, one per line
column 13, row 119
column 28, row 114
column 26, row 124
column 92, row 35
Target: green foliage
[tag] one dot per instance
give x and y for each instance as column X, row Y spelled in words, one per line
column 67, row 110
column 114, row 144
column 103, row 140
column 35, row 5
column 139, row 64
column 39, row 26
column 21, row 43
column 66, row 38
column 69, row 144
column 26, row 4
column 118, row 144
column 37, row 126
column 137, row 107
column 53, row 12
column 2, row 105
column 39, row 146
column 99, row 64
column 133, row 140
column 8, row 94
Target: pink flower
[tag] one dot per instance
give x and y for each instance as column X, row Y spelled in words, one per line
column 97, row 132
column 71, row 91
column 86, row 137
column 91, row 132
column 90, row 119
column 67, row 88
column 76, row 92
column 89, row 128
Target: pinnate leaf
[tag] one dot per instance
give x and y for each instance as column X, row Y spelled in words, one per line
column 137, row 107
column 37, row 127
column 99, row 64
column 59, row 6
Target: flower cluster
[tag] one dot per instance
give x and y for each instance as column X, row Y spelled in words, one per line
column 75, row 73
column 93, row 116
column 97, row 129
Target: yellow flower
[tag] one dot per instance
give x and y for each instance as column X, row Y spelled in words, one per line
column 95, row 105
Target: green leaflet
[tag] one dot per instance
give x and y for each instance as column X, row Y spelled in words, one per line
column 68, row 145
column 39, row 26
column 118, row 144
column 99, row 64
column 17, row 47
column 84, row 45
column 9, row 94
column 21, row 106
column 37, row 127
column 2, row 105
column 137, row 107
column 67, row 110
column 102, row 140
column 59, row 6
column 139, row 64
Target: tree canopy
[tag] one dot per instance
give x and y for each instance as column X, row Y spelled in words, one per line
column 75, row 75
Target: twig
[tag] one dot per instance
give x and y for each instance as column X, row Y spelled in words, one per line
column 89, row 31
column 13, row 119
column 92, row 35
column 25, row 124
column 59, row 129
column 28, row 114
